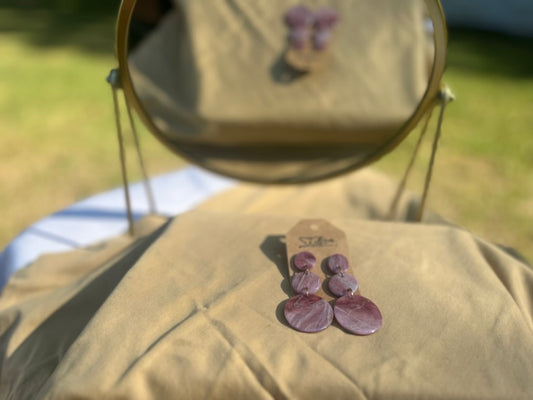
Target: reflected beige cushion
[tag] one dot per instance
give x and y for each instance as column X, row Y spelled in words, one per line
column 214, row 72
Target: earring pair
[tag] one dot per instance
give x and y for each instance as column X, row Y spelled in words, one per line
column 310, row 313
column 304, row 23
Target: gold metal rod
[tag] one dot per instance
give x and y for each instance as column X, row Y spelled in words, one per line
column 123, row 161
column 146, row 181
column 445, row 96
column 401, row 187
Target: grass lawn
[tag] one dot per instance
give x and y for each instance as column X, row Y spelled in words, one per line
column 483, row 177
column 58, row 144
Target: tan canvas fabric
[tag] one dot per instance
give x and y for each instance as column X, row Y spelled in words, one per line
column 214, row 72
column 194, row 311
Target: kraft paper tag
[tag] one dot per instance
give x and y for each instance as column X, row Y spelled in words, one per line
column 322, row 239
column 306, row 60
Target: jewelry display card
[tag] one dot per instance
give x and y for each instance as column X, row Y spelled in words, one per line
column 322, row 239
column 319, row 267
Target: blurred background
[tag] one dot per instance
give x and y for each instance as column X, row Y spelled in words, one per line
column 58, row 141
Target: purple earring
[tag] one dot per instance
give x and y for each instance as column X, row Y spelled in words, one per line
column 355, row 313
column 340, row 283
column 300, row 20
column 325, row 20
column 307, row 312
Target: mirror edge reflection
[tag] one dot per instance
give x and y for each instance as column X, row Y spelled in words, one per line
column 440, row 40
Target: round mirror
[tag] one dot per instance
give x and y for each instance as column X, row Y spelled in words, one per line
column 269, row 91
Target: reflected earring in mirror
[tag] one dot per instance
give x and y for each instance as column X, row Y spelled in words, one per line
column 307, row 312
column 355, row 313
column 325, row 20
column 300, row 21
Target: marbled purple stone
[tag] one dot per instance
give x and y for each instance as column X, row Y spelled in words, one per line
column 321, row 39
column 308, row 313
column 358, row 315
column 337, row 263
column 340, row 284
column 298, row 37
column 305, row 282
column 299, row 16
column 304, row 261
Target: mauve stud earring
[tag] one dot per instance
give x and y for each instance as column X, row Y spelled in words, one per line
column 300, row 20
column 355, row 313
column 325, row 20
column 307, row 312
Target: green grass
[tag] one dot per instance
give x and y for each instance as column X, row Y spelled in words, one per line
column 58, row 144
column 483, row 177
column 57, row 140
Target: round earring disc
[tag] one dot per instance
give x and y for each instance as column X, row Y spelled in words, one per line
column 358, row 315
column 339, row 285
column 308, row 313
column 337, row 263
column 304, row 261
column 305, row 283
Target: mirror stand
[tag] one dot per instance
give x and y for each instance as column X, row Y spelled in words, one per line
column 115, row 82
column 444, row 97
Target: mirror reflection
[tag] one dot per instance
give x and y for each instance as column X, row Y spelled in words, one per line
column 271, row 91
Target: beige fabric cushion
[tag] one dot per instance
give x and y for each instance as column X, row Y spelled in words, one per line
column 194, row 310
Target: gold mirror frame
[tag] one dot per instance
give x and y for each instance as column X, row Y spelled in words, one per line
column 440, row 35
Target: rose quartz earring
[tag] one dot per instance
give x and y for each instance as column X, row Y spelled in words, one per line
column 355, row 313
column 307, row 312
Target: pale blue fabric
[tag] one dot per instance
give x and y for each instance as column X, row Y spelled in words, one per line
column 103, row 216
